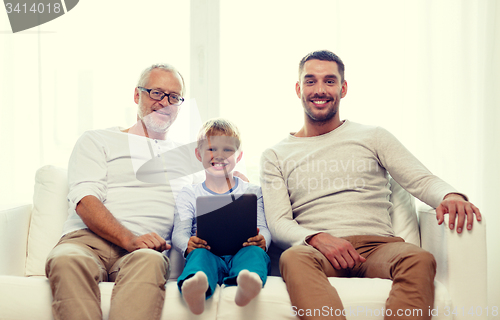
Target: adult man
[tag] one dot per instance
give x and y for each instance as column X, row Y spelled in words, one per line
column 118, row 221
column 339, row 225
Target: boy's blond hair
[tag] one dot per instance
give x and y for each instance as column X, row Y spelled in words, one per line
column 219, row 127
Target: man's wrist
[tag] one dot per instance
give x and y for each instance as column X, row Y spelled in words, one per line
column 312, row 240
column 126, row 239
column 454, row 195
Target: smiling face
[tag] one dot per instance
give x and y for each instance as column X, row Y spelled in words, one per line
column 218, row 154
column 320, row 89
column 158, row 116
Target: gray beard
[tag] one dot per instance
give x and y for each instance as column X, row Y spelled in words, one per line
column 155, row 125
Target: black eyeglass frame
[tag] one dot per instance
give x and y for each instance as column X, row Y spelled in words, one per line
column 181, row 99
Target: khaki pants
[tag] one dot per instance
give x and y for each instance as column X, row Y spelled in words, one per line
column 412, row 270
column 82, row 259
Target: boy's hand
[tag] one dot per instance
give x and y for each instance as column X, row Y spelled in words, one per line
column 195, row 243
column 258, row 241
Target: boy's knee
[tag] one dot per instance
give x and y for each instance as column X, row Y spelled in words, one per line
column 255, row 253
column 199, row 253
column 254, row 250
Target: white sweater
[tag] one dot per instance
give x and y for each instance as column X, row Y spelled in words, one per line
column 108, row 164
column 338, row 183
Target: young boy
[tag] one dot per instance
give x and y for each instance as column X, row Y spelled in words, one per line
column 219, row 151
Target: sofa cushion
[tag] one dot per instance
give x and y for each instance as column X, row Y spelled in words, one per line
column 177, row 263
column 50, row 210
column 362, row 298
column 30, row 298
column 14, row 225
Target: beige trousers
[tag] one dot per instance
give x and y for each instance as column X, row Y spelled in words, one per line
column 412, row 270
column 82, row 259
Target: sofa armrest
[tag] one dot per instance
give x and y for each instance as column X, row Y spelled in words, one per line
column 461, row 261
column 14, row 226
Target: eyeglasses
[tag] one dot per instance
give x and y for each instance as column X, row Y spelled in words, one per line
column 173, row 98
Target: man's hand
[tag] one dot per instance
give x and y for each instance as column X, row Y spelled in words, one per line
column 339, row 252
column 147, row 241
column 456, row 205
column 258, row 241
column 102, row 222
column 195, row 243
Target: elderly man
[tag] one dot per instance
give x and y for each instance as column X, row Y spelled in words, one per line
column 339, row 226
column 119, row 224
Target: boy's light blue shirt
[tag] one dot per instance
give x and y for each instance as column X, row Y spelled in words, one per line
column 185, row 212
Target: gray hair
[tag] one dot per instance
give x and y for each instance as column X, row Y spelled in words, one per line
column 143, row 79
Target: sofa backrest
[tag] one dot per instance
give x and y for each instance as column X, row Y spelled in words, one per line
column 403, row 214
column 50, row 210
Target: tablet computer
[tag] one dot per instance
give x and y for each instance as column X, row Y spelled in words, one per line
column 225, row 224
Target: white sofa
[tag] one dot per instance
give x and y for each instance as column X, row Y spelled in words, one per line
column 29, row 231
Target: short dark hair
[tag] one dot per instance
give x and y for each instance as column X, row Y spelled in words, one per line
column 323, row 55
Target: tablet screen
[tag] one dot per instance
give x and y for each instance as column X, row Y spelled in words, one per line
column 225, row 224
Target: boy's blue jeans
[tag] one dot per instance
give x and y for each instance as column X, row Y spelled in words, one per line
column 225, row 269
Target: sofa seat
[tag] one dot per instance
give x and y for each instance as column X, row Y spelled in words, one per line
column 362, row 299
column 30, row 298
